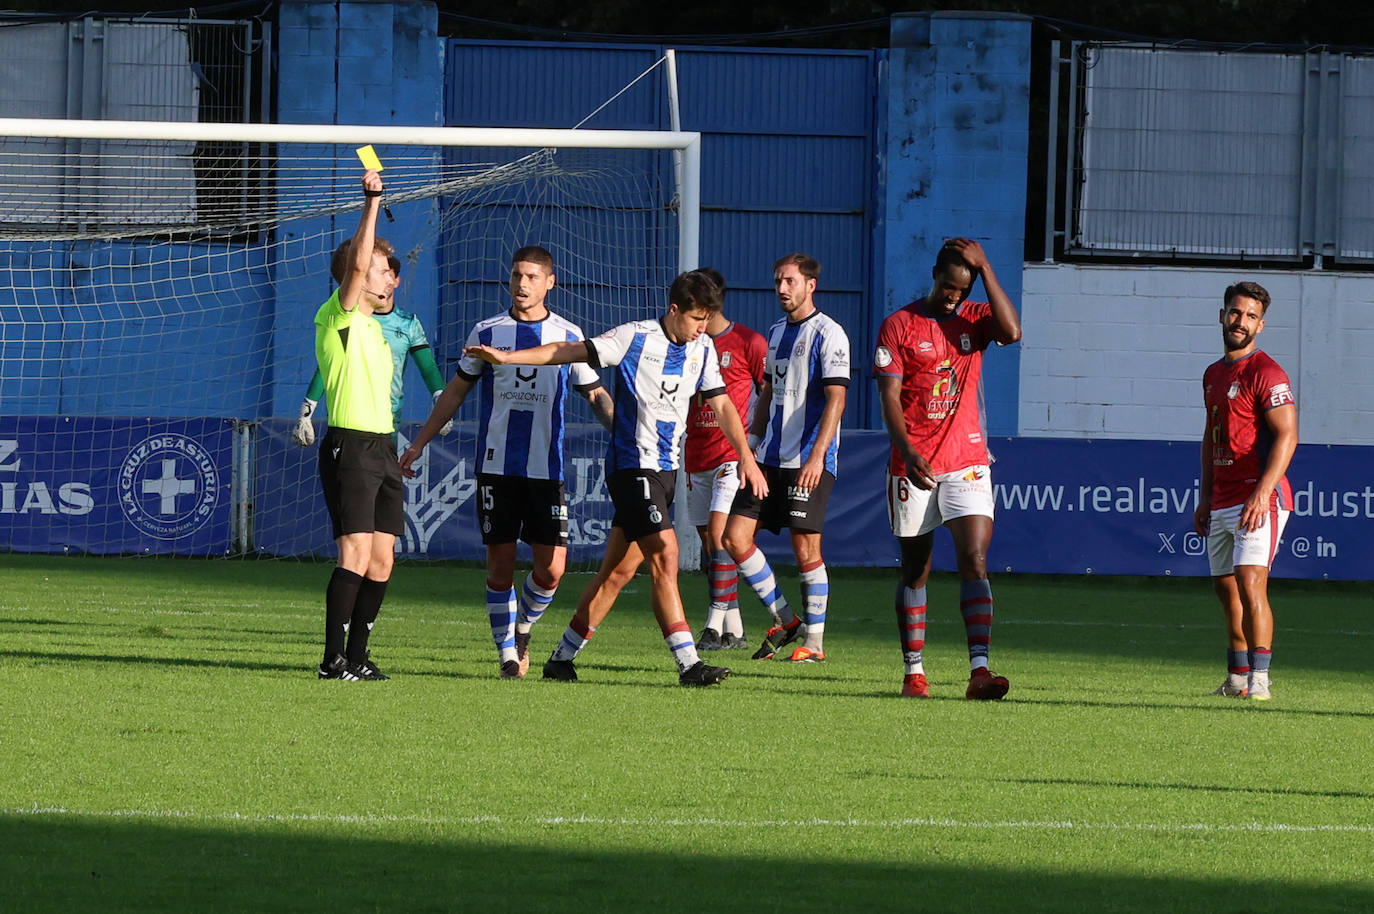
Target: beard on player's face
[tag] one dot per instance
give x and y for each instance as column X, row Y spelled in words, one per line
column 1236, row 338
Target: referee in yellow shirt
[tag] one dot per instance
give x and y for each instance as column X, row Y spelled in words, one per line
column 358, row 467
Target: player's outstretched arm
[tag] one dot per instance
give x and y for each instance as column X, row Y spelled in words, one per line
column 918, row 468
column 563, row 353
column 440, row 418
column 733, row 429
column 1005, row 319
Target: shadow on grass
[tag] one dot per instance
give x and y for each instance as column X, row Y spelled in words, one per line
column 87, row 863
column 1206, row 788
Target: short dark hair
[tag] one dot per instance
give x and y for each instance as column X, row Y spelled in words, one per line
column 806, row 265
column 339, row 263
column 1249, row 290
column 713, row 274
column 695, row 289
column 533, row 253
column 949, row 256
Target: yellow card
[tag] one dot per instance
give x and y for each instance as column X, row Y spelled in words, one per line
column 368, row 156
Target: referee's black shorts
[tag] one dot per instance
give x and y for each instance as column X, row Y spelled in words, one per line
column 361, row 478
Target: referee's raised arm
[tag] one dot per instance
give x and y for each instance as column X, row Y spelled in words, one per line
column 354, row 281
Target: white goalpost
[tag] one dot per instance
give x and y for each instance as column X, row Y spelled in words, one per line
column 158, row 283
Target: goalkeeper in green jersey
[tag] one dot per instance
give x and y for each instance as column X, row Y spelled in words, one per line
column 406, row 337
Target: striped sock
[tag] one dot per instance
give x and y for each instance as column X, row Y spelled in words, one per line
column 574, row 639
column 501, row 613
column 759, row 574
column 535, row 597
column 1238, row 662
column 975, row 604
column 679, row 639
column 911, row 626
column 724, row 579
column 1259, row 659
column 815, row 588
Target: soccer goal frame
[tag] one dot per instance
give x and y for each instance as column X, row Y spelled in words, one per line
column 684, row 205
column 688, row 143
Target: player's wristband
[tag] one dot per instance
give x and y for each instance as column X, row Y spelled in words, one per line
column 371, row 193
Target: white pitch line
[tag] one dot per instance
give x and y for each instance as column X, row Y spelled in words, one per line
column 627, row 822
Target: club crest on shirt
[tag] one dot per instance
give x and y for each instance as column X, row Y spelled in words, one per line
column 799, row 351
column 725, row 359
column 1234, row 391
column 965, row 344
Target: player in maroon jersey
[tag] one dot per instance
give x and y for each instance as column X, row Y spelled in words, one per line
column 1244, row 499
column 712, row 468
column 928, row 366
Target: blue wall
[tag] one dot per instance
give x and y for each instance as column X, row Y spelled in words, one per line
column 352, row 63
column 958, row 117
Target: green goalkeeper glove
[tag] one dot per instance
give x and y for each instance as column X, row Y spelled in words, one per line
column 304, row 435
column 448, row 426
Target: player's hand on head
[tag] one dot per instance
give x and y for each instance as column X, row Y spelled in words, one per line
column 304, row 432
column 971, row 251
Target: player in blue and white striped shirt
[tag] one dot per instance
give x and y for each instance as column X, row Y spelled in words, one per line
column 660, row 366
column 519, row 451
column 796, row 429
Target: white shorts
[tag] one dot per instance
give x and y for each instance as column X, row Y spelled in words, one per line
column 711, row 492
column 962, row 493
column 1228, row 547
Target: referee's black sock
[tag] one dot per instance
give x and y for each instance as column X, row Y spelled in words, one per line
column 339, row 599
column 365, row 610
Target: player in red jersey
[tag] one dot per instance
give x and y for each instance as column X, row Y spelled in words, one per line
column 1244, row 499
column 928, row 366
column 712, row 468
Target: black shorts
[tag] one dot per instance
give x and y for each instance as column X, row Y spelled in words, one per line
column 641, row 499
column 513, row 507
column 786, row 505
column 362, row 483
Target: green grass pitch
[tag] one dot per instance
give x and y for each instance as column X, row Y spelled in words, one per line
column 164, row 745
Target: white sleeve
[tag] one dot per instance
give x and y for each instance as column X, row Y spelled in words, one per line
column 611, row 346
column 835, row 354
column 470, row 366
column 583, row 376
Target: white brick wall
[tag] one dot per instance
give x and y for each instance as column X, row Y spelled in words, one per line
column 1118, row 352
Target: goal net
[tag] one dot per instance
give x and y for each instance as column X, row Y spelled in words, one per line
column 160, row 283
